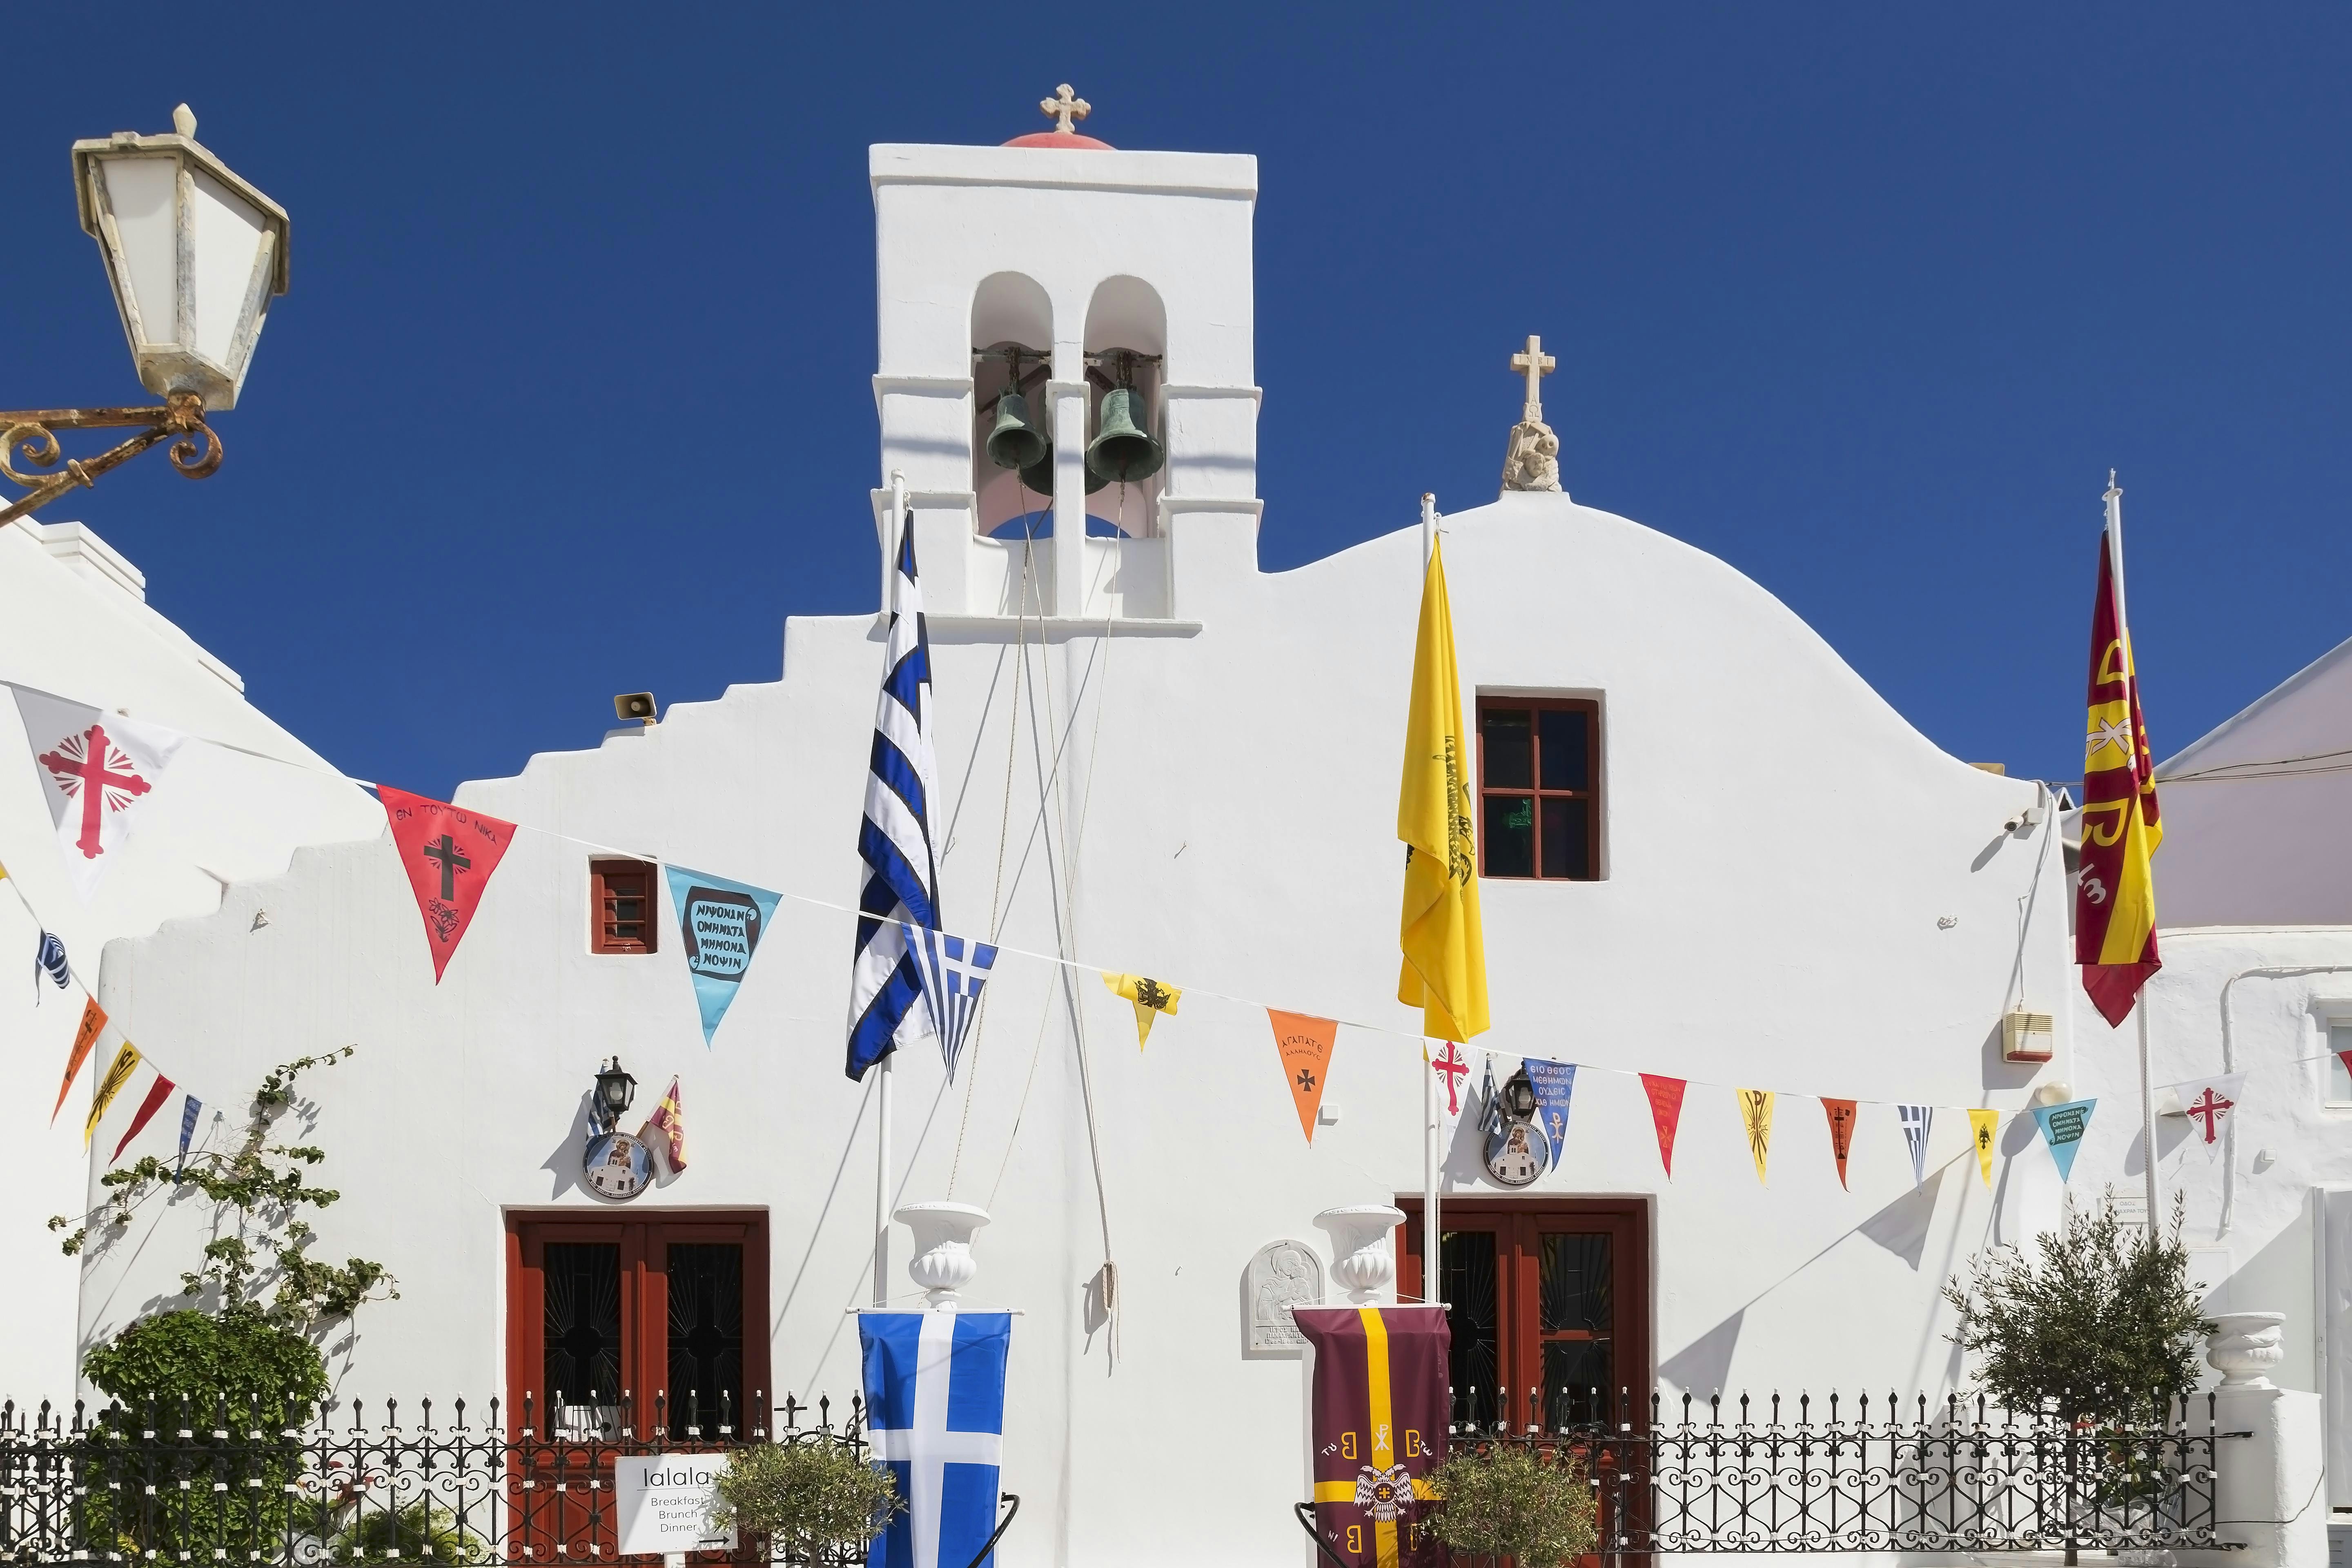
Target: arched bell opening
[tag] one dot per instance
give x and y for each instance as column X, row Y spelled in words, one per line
column 1126, row 352
column 1012, row 428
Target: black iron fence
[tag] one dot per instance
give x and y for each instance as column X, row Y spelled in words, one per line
column 359, row 1483
column 1865, row 1475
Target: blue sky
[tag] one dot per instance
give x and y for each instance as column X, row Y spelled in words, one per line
column 1863, row 299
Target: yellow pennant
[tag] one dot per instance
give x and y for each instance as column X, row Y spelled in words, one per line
column 1981, row 1123
column 1756, row 1115
column 118, row 1073
column 1148, row 995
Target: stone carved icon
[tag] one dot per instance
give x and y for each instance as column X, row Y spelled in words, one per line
column 1283, row 1275
column 1532, row 460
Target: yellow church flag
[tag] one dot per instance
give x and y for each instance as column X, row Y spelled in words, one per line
column 1151, row 997
column 118, row 1073
column 1756, row 1115
column 1444, row 968
column 1981, row 1124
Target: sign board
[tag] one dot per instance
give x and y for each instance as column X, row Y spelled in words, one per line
column 666, row 1501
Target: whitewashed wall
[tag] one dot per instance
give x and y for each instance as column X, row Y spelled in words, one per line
column 1803, row 895
column 74, row 621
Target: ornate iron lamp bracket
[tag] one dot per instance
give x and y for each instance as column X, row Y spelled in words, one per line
column 28, row 435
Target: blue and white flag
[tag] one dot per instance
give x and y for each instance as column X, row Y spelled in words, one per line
column 1917, row 1120
column 720, row 922
column 50, row 959
column 1555, row 1084
column 189, row 1106
column 934, row 1415
column 954, row 970
column 902, row 877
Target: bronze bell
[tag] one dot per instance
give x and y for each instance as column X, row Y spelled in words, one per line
column 1120, row 449
column 1016, row 443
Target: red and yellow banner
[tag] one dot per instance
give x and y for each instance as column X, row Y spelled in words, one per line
column 1377, row 1377
column 2115, row 897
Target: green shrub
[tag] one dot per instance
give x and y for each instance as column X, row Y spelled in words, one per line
column 354, row 1533
column 807, row 1498
column 2100, row 1317
column 1510, row 1501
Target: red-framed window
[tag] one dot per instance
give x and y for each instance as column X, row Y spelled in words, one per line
column 623, row 912
column 1539, row 788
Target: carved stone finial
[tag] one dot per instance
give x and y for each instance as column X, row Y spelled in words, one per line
column 1532, row 461
column 184, row 120
column 1064, row 107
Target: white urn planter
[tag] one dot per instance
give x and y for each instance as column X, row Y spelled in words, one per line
column 943, row 1264
column 2244, row 1346
column 1362, row 1261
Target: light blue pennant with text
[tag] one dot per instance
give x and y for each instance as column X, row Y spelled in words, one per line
column 1554, row 1083
column 720, row 924
column 2062, row 1127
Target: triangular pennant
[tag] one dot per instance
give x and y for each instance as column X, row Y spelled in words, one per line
column 118, row 1073
column 96, row 770
column 1918, row 1121
column 189, row 1106
column 1755, row 1117
column 93, row 1020
column 1305, row 1045
column 1149, row 997
column 955, row 971
column 2346, row 1057
column 2207, row 1101
column 1666, row 1111
column 50, row 959
column 2062, row 1127
column 1452, row 1066
column 448, row 853
column 719, row 924
column 1841, row 1115
column 1555, row 1085
column 157, row 1092
column 1981, row 1127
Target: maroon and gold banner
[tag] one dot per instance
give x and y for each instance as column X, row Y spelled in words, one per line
column 1377, row 1380
column 2115, row 896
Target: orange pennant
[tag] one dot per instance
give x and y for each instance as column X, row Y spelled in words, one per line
column 93, row 1019
column 1666, row 1110
column 1304, row 1044
column 1841, row 1115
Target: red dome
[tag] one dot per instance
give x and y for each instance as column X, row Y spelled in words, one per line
column 1059, row 139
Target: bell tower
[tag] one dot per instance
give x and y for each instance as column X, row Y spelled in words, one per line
column 1065, row 373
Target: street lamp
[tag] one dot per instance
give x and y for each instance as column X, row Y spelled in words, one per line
column 615, row 1092
column 193, row 254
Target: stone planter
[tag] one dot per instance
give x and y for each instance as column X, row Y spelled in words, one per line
column 1362, row 1258
column 2244, row 1346
column 943, row 1264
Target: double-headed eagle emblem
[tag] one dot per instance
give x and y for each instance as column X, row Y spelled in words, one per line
column 1384, row 1492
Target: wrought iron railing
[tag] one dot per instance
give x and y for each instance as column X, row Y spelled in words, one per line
column 1865, row 1475
column 355, row 1483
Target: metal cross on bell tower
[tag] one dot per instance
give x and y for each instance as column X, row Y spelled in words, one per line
column 1064, row 107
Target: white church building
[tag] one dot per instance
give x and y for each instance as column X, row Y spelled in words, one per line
column 1711, row 852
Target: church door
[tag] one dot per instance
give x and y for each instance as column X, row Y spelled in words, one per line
column 1549, row 1301
column 616, row 1322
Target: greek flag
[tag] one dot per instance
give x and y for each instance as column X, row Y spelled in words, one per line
column 1917, row 1121
column 935, row 1408
column 51, row 959
column 894, row 841
column 954, row 969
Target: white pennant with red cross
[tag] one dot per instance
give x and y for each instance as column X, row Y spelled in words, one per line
column 1450, row 1064
column 2208, row 1102
column 96, row 770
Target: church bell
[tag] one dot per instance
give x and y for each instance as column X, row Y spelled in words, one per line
column 1016, row 442
column 1122, row 450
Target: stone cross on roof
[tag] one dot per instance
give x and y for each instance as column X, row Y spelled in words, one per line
column 1064, row 107
column 1537, row 365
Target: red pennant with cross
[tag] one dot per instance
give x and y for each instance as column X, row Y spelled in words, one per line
column 1666, row 1111
column 448, row 853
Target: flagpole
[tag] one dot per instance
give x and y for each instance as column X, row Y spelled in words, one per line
column 1432, row 1235
column 890, row 527
column 2114, row 500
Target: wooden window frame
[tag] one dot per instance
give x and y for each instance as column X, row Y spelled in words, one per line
column 1534, row 788
column 598, row 869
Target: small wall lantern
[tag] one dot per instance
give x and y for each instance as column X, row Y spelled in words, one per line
column 615, row 1092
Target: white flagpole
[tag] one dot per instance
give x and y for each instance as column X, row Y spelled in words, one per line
column 1431, row 1234
column 2114, row 500
column 890, row 527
